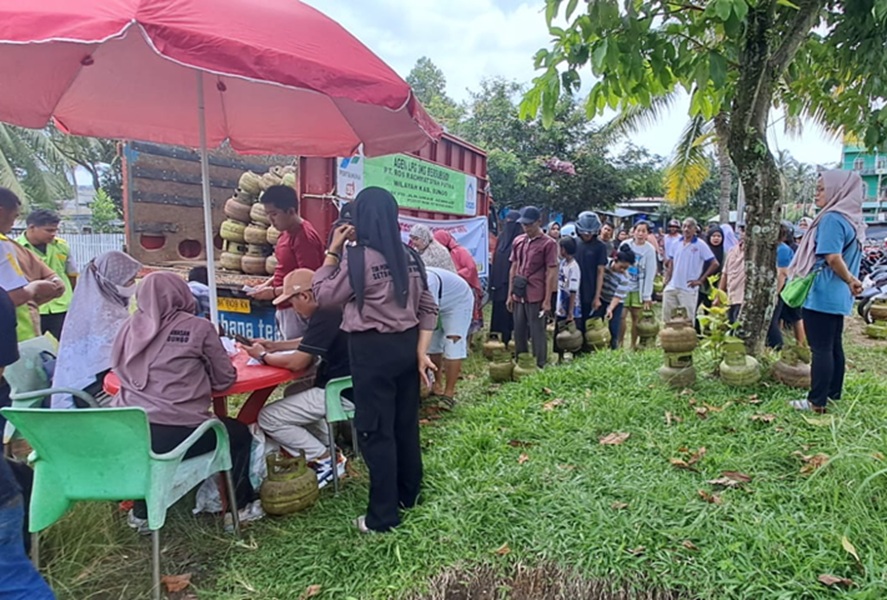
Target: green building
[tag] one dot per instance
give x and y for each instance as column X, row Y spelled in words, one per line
column 873, row 169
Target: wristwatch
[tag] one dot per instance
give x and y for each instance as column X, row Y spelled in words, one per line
column 262, row 357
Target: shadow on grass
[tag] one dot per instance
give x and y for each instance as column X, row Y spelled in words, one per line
column 523, row 582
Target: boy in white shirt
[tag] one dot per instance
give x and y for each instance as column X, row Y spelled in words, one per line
column 568, row 277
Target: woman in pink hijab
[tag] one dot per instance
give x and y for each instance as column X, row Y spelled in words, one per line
column 467, row 269
column 169, row 362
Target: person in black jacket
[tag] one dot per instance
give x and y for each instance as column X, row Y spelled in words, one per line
column 502, row 321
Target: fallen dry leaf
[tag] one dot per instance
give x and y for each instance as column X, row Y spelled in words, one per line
column 310, row 592
column 832, row 580
column 679, row 463
column 686, row 392
column 718, row 408
column 736, row 476
column 767, row 418
column 637, row 551
column 689, row 545
column 730, row 479
column 519, row 444
column 522, row 458
column 547, row 391
column 614, row 439
column 502, row 550
column 669, row 418
column 812, row 463
column 877, row 456
column 825, row 421
column 753, row 399
column 618, row 505
column 471, row 377
column 176, row 583
column 552, row 404
column 424, row 421
column 710, row 498
column 697, row 456
column 849, row 548
column 701, row 412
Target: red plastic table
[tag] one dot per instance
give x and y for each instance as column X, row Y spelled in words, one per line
column 259, row 381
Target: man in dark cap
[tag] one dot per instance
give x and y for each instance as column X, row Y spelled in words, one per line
column 533, row 280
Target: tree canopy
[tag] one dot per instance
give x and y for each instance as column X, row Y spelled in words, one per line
column 823, row 59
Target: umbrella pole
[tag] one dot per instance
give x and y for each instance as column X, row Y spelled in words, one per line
column 207, row 206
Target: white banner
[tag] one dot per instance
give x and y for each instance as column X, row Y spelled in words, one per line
column 472, row 234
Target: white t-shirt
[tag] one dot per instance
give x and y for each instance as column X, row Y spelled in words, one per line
column 689, row 262
column 568, row 278
column 455, row 294
column 11, row 276
column 668, row 241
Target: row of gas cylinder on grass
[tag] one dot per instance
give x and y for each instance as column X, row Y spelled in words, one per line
column 877, row 329
column 678, row 340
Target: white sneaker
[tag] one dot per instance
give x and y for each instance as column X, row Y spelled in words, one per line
column 249, row 513
column 140, row 525
column 324, row 469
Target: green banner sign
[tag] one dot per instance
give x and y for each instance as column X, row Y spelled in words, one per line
column 422, row 185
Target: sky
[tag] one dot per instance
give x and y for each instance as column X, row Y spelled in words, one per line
column 470, row 40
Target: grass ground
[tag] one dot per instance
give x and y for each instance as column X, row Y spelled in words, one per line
column 516, row 479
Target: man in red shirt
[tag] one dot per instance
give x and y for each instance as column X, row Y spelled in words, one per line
column 532, row 282
column 299, row 247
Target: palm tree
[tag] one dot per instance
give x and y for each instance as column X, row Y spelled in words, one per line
column 690, row 164
column 33, row 167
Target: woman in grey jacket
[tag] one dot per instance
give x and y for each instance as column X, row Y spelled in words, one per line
column 642, row 273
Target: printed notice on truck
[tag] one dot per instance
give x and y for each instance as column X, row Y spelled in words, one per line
column 415, row 183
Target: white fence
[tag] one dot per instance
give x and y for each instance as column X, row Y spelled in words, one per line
column 86, row 246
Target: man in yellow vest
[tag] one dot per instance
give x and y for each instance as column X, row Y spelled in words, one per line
column 41, row 238
column 19, row 261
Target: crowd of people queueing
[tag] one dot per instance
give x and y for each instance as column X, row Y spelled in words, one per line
column 580, row 271
column 389, row 315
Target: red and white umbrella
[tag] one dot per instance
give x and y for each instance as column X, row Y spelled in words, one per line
column 270, row 77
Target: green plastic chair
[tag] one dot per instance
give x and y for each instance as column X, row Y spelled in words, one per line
column 336, row 413
column 105, row 454
column 28, row 383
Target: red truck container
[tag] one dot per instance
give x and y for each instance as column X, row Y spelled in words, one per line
column 164, row 216
column 162, row 194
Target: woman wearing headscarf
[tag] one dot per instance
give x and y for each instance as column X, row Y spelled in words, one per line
column 433, row 253
column 553, row 230
column 731, row 240
column 502, row 321
column 170, row 361
column 832, row 247
column 390, row 316
column 467, row 270
column 98, row 308
column 714, row 237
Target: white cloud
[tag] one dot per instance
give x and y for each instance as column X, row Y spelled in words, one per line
column 473, row 39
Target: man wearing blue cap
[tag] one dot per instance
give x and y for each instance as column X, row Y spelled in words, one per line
column 532, row 282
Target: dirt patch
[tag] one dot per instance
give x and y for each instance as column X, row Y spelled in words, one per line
column 535, row 583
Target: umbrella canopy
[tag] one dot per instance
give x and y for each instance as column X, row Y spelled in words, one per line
column 269, row 76
column 281, row 77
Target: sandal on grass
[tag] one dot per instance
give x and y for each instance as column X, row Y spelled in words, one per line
column 807, row 406
column 445, row 402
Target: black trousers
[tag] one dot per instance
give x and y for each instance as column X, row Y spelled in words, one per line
column 53, row 324
column 824, row 334
column 384, row 369
column 502, row 321
column 166, row 437
column 774, row 331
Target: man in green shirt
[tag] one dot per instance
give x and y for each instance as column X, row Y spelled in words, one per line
column 41, row 239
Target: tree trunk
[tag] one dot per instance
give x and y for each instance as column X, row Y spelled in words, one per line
column 722, row 131
column 758, row 174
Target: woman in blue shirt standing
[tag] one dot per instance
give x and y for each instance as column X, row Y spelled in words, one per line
column 833, row 248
